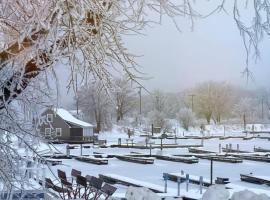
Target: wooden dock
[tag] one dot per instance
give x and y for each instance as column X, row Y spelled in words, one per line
column 139, row 160
column 221, row 158
column 259, row 149
column 192, row 179
column 155, row 146
column 188, row 160
column 233, row 150
column 258, row 158
column 199, row 151
column 52, row 162
column 92, row 160
column 117, row 179
column 255, row 179
column 56, row 156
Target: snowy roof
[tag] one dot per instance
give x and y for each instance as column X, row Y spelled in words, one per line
column 67, row 116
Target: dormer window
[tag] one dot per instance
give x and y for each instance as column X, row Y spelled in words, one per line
column 49, row 117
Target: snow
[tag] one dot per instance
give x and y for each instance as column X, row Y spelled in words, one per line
column 216, row 192
column 67, row 116
column 145, row 175
column 248, row 195
column 134, row 193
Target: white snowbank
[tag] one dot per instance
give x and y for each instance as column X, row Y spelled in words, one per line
column 216, row 192
column 248, row 195
column 142, row 193
column 219, row 192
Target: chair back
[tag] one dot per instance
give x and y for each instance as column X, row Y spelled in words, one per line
column 75, row 173
column 62, row 175
column 108, row 189
column 81, row 181
column 48, row 183
column 95, row 182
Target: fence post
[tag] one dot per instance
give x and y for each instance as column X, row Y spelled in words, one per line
column 67, row 150
column 187, row 181
column 166, row 182
column 178, row 185
column 211, row 171
column 201, row 184
column 119, row 141
column 81, row 149
column 43, row 177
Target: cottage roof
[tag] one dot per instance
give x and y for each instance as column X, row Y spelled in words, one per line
column 65, row 115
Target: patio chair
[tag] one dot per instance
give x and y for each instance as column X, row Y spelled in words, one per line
column 81, row 185
column 108, row 190
column 95, row 185
column 63, row 192
column 63, row 178
column 74, row 174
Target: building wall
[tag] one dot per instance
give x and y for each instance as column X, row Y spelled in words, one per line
column 76, row 133
column 57, row 123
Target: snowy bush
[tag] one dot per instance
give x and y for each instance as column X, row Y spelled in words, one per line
column 157, row 118
column 186, row 118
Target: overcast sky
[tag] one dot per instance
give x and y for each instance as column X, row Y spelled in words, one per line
column 212, row 51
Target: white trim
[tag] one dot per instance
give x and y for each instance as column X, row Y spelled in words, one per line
column 60, row 131
column 50, row 116
column 48, row 134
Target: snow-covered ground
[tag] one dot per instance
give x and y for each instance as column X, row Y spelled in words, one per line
column 153, row 173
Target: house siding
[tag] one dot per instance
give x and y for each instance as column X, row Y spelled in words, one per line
column 56, row 123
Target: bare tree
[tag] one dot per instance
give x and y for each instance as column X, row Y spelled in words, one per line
column 96, row 105
column 186, row 118
column 87, row 37
column 125, row 98
column 157, row 118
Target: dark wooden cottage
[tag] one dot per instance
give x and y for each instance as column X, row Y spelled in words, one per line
column 59, row 124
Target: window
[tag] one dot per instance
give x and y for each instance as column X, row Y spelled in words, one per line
column 49, row 117
column 58, row 131
column 47, row 131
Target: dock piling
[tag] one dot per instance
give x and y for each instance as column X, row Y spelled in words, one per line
column 187, row 182
column 178, row 186
column 201, row 184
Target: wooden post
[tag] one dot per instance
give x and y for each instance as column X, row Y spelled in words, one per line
column 238, row 148
column 152, row 129
column 81, row 149
column 67, row 150
column 187, row 182
column 150, row 149
column 211, row 172
column 178, row 186
column 119, row 141
column 161, row 144
column 166, row 182
column 202, row 142
column 43, row 177
column 219, row 148
column 201, row 184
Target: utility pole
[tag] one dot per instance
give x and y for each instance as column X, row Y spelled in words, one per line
column 262, row 109
column 192, row 101
column 140, row 94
